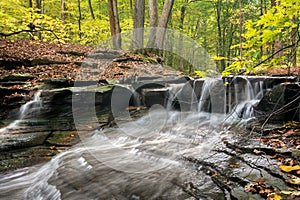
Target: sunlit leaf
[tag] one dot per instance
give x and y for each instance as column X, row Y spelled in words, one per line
column 287, row 168
column 295, row 180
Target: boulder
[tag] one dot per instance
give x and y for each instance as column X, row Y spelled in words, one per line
column 281, row 103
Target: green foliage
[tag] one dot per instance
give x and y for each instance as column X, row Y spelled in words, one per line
column 274, row 26
column 200, row 74
column 200, row 24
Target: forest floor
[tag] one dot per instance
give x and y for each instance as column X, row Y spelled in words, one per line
column 64, row 61
column 47, row 61
column 43, row 61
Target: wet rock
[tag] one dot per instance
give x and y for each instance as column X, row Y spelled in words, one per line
column 154, row 96
column 16, row 77
column 280, row 104
column 19, row 141
column 63, row 138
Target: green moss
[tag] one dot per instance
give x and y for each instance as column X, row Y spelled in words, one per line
column 100, row 89
column 63, row 138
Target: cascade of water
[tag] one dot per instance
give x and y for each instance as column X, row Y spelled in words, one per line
column 105, row 166
column 245, row 99
column 28, row 109
column 204, row 102
column 174, row 89
column 193, row 96
column 32, row 106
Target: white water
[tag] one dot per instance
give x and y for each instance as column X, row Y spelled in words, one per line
column 140, row 162
column 31, row 107
column 245, row 100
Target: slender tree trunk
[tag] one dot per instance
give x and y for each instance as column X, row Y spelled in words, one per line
column 241, row 30
column 63, row 10
column 30, row 25
column 91, row 9
column 115, row 28
column 231, row 31
column 40, row 11
column 220, row 48
column 138, row 31
column 261, row 14
column 273, row 3
column 153, row 17
column 163, row 22
column 180, row 42
column 79, row 18
column 277, row 44
column 38, row 4
column 294, row 48
column 131, row 7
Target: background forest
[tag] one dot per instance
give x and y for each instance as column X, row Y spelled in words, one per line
column 242, row 36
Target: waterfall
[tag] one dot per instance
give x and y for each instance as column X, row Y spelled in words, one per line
column 174, row 89
column 27, row 110
column 246, row 97
column 204, row 101
column 145, row 157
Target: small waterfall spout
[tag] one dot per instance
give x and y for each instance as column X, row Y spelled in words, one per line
column 243, row 97
column 27, row 110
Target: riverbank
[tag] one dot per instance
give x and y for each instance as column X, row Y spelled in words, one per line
column 243, row 162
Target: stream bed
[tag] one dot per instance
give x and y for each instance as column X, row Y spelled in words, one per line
column 208, row 151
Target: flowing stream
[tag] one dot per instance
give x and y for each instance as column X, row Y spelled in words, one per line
column 27, row 110
column 144, row 158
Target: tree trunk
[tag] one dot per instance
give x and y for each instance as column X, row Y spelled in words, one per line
column 131, row 7
column 277, row 44
column 39, row 6
column 294, row 48
column 31, row 23
column 153, row 17
column 261, row 14
column 115, row 28
column 230, row 41
column 241, row 30
column 163, row 22
column 138, row 31
column 180, row 41
column 63, row 11
column 91, row 9
column 79, row 18
column 220, row 48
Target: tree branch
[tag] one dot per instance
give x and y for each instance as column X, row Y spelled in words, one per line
column 271, row 56
column 29, row 31
column 280, row 50
column 17, row 32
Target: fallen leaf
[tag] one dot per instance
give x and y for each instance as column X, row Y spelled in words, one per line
column 295, row 180
column 52, row 147
column 274, row 197
column 260, row 181
column 275, row 156
column 290, row 132
column 286, row 192
column 257, row 152
column 287, row 168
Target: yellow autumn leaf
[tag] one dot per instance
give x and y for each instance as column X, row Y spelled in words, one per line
column 52, row 147
column 276, row 197
column 287, row 168
column 296, row 193
column 295, row 180
column 286, row 192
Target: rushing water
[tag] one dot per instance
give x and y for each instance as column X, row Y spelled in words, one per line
column 26, row 110
column 140, row 159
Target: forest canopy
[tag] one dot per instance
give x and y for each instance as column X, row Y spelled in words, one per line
column 242, row 36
